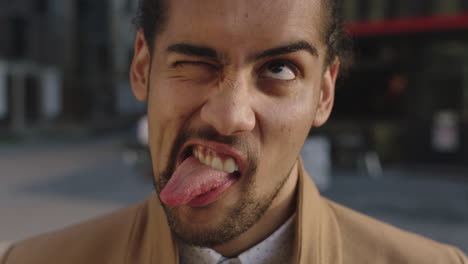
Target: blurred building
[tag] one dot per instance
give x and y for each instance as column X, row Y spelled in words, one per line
column 80, row 48
column 407, row 96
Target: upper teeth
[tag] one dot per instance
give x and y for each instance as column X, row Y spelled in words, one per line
column 214, row 160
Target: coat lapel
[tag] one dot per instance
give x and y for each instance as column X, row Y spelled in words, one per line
column 317, row 235
column 163, row 245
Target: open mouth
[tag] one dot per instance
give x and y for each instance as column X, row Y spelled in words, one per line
column 213, row 159
column 204, row 172
column 216, row 156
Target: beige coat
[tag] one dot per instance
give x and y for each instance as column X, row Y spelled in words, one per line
column 326, row 233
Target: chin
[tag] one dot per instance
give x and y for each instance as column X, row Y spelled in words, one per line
column 209, row 215
column 199, row 226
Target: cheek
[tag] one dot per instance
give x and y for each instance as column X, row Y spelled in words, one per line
column 290, row 120
column 284, row 127
column 291, row 125
column 169, row 109
column 174, row 98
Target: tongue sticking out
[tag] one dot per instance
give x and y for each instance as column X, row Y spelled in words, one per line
column 195, row 183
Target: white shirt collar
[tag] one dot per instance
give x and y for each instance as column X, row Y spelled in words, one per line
column 277, row 248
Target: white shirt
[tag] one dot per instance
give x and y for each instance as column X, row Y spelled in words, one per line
column 277, row 248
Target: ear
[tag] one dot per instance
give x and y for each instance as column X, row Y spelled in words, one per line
column 327, row 93
column 139, row 70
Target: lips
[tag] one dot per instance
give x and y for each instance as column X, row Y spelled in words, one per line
column 211, row 149
column 204, row 172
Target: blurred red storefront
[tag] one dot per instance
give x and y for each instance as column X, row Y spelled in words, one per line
column 407, row 94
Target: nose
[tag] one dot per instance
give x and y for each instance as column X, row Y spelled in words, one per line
column 229, row 109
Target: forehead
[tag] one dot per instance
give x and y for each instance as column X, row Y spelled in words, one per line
column 244, row 23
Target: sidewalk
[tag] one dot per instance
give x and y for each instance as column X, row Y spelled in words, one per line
column 431, row 203
column 48, row 186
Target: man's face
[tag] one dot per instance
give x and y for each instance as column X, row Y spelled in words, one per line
column 233, row 88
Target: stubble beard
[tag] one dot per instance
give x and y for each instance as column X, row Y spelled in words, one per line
column 237, row 219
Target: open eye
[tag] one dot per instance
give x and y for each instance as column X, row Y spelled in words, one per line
column 279, row 70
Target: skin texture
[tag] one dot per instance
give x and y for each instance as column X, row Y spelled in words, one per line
column 267, row 103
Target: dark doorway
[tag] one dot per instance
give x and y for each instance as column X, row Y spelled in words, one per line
column 32, row 99
column 9, row 98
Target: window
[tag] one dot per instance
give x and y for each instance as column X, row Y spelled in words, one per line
column 464, row 5
column 391, row 9
column 42, row 6
column 18, row 38
column 129, row 5
column 363, row 11
column 103, row 57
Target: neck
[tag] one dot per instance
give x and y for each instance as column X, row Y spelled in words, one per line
column 282, row 207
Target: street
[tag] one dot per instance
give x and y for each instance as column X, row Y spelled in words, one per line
column 431, row 203
column 46, row 187
column 51, row 185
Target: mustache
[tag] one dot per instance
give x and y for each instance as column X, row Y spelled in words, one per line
column 209, row 134
column 212, row 135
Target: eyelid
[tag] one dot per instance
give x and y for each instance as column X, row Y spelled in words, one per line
column 195, row 62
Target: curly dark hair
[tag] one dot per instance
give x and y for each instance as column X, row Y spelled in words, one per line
column 152, row 16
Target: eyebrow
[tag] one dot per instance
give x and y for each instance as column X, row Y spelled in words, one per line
column 194, row 50
column 290, row 48
column 210, row 53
